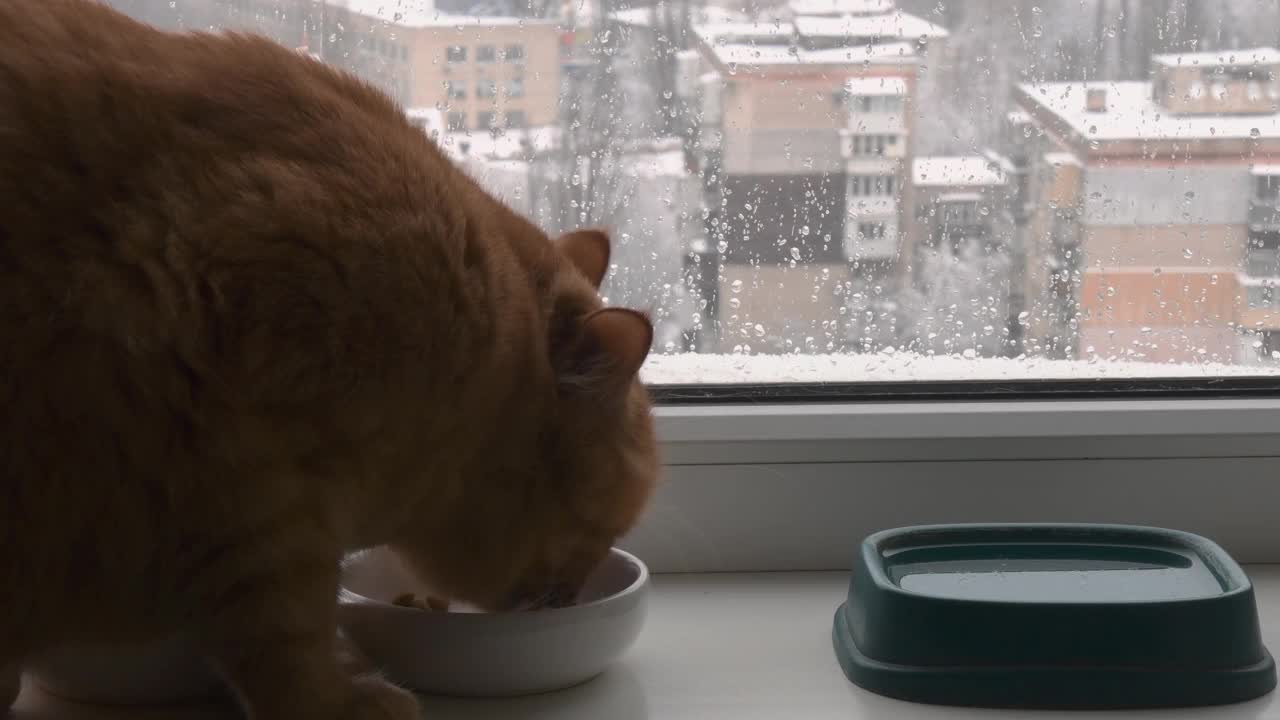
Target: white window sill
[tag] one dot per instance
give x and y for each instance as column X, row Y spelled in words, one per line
column 732, row 647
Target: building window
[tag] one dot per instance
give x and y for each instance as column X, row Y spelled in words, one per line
column 877, row 103
column 1267, row 189
column 485, row 53
column 871, row 145
column 960, row 213
column 486, row 120
column 486, row 88
column 871, row 185
column 455, row 89
column 516, row 119
column 514, row 53
column 515, row 88
column 456, row 121
column 871, row 231
column 455, row 54
column 404, row 53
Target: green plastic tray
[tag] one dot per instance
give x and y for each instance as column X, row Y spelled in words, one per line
column 1051, row 617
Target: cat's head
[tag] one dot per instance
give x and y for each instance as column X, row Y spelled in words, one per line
column 562, row 499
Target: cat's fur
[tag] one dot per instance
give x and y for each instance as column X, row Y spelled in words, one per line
column 250, row 320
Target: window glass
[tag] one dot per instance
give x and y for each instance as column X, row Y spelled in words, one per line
column 865, row 190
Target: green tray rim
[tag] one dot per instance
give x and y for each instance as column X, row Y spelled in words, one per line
column 1213, row 555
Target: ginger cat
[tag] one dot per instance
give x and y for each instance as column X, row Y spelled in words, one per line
column 252, row 320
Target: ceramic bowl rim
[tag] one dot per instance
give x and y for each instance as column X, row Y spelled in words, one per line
column 641, row 580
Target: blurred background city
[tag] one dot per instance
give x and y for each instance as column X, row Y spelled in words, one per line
column 1084, row 182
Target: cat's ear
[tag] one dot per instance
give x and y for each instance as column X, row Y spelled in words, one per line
column 588, row 250
column 613, row 345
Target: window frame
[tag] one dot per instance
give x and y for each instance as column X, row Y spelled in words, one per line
column 792, row 484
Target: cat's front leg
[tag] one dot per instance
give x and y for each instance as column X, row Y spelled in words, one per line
column 273, row 637
column 10, row 684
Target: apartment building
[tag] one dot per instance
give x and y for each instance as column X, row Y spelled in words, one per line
column 482, row 72
column 1153, row 229
column 959, row 202
column 805, row 146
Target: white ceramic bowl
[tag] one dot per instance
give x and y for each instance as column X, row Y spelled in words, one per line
column 491, row 655
column 157, row 673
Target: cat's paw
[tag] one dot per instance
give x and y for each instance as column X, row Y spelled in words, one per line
column 376, row 699
column 10, row 685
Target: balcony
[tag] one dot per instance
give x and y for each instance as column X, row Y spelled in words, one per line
column 1264, row 215
column 1261, row 293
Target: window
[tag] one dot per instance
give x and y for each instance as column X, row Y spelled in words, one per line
column 871, row 231
column 516, row 119
column 486, row 120
column 871, row 185
column 1267, row 188
column 741, row 156
column 877, row 104
column 872, row 145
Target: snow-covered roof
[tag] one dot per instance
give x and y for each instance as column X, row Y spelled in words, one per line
column 960, row 197
column 734, row 33
column 1132, row 115
column 888, row 26
column 431, row 119
column 756, row 55
column 886, row 366
column 1267, row 170
column 507, row 145
column 643, row 16
column 423, row 13
column 955, row 171
column 770, row 43
column 1018, row 117
column 668, row 163
column 1226, row 58
column 639, row 16
column 864, row 86
column 1062, row 159
column 840, row 7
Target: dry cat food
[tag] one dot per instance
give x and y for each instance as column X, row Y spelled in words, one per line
column 428, row 602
